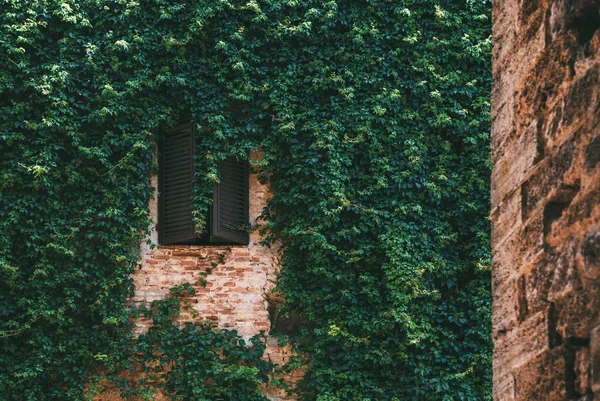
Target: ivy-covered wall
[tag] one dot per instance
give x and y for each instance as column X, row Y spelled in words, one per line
column 374, row 120
column 232, row 282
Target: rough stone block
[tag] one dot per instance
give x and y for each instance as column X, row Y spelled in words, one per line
column 505, row 310
column 548, row 175
column 576, row 107
column 595, row 360
column 512, row 350
column 592, row 154
column 590, row 250
column 543, row 377
column 504, row 388
column 582, row 370
column 506, row 217
column 549, row 280
column 517, row 251
column 519, row 157
column 578, row 312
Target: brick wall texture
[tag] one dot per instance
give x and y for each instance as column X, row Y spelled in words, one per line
column 545, row 200
column 236, row 291
column 239, row 277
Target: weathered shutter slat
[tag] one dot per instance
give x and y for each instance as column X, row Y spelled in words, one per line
column 230, row 203
column 176, row 186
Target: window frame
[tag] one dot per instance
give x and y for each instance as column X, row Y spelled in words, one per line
column 229, row 198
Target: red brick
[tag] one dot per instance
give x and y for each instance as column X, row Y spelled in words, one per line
column 190, row 252
column 161, row 256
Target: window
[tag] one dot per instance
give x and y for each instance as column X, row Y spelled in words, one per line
column 227, row 221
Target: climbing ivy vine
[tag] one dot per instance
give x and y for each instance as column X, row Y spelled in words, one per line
column 373, row 117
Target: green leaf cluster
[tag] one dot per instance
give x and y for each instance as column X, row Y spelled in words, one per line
column 373, row 117
column 196, row 361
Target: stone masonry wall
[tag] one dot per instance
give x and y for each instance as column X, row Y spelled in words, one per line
column 546, row 199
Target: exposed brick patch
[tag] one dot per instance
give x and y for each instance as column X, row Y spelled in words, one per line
column 230, row 281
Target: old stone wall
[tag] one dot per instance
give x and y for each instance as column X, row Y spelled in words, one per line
column 545, row 199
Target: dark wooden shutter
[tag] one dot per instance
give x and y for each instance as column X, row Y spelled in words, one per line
column 230, row 203
column 176, row 186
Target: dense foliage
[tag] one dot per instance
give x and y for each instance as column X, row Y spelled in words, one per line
column 374, row 120
column 203, row 362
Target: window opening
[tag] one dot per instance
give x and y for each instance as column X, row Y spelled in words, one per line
column 227, row 220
